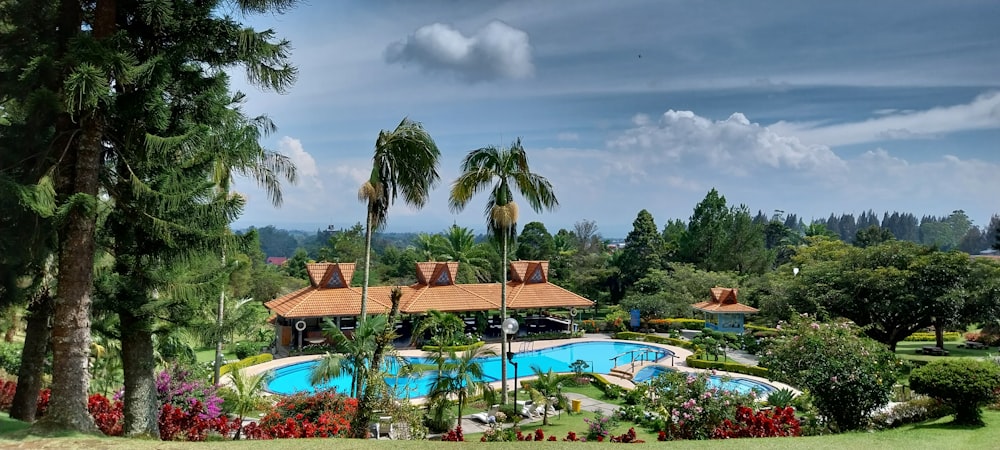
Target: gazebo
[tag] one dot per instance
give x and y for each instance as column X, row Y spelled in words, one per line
column 723, row 312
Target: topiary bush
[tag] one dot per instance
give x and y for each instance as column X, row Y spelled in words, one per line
column 963, row 384
column 246, row 349
column 10, row 357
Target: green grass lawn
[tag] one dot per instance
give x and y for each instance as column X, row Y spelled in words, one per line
column 936, row 435
column 908, row 350
column 204, row 355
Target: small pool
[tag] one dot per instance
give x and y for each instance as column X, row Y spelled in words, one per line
column 741, row 385
column 598, row 354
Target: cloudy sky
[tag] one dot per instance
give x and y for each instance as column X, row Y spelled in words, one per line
column 811, row 108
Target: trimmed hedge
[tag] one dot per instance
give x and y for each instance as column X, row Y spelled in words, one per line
column 633, row 336
column 245, row 362
column 930, row 337
column 453, row 348
column 676, row 324
column 549, row 336
column 760, row 328
column 693, row 361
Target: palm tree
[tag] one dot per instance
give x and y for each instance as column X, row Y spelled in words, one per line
column 459, row 244
column 546, row 391
column 428, row 246
column 501, row 170
column 353, row 354
column 405, row 163
column 248, row 389
column 462, row 376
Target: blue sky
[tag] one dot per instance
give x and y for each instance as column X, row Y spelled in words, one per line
column 808, row 107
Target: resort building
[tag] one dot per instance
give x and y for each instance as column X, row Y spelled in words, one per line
column 299, row 315
column 723, row 312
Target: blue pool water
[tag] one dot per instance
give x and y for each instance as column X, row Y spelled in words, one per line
column 598, row 354
column 741, row 385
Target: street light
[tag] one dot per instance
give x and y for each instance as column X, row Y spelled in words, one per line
column 509, row 328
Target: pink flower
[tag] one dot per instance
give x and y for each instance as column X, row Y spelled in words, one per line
column 833, row 379
column 814, row 326
column 777, row 327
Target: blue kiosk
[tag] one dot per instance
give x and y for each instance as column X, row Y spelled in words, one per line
column 723, row 312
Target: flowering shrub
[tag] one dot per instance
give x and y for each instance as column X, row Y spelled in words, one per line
column 627, row 437
column 454, row 435
column 176, row 387
column 599, row 427
column 983, row 338
column 193, row 422
column 775, row 423
column 321, row 414
column 7, row 389
column 108, row 416
column 913, row 411
column 848, row 376
column 690, row 407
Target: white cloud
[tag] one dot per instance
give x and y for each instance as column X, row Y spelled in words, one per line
column 566, row 136
column 981, row 113
column 493, row 52
column 305, row 165
column 732, row 146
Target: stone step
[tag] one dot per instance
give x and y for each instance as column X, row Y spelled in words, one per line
column 621, row 374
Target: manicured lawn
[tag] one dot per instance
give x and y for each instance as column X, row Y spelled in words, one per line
column 931, row 435
column 208, row 355
column 908, row 350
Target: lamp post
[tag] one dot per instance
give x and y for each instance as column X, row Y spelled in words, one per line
column 509, row 328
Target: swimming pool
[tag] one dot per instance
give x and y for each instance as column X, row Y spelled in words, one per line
column 598, row 354
column 741, row 385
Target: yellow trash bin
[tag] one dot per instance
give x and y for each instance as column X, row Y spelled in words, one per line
column 575, row 405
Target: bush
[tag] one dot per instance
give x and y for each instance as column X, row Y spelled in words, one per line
column 963, row 384
column 778, row 422
column 691, row 407
column 246, row 349
column 983, row 338
column 549, row 335
column 848, row 376
column 453, row 348
column 10, row 357
column 633, row 336
column 931, row 337
column 698, row 363
column 676, row 324
column 320, row 414
column 246, row 362
column 781, row 398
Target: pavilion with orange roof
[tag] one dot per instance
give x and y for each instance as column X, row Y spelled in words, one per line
column 330, row 295
column 723, row 312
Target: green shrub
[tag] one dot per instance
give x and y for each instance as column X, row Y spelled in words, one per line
column 10, row 357
column 453, row 348
column 781, row 398
column 963, row 384
column 246, row 362
column 633, row 336
column 550, row 335
column 698, row 363
column 613, row 391
column 246, row 349
column 848, row 376
column 931, row 337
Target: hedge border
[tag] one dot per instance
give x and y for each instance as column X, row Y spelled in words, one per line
column 453, row 348
column 921, row 336
column 245, row 362
column 642, row 337
column 693, row 361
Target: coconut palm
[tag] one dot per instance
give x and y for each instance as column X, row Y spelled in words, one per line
column 428, row 246
column 405, row 164
column 353, row 354
column 501, row 170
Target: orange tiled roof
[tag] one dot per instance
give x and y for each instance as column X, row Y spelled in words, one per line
column 724, row 300
column 318, row 300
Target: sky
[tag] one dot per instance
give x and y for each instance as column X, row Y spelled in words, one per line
column 805, row 107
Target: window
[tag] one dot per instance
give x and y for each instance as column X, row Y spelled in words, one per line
column 335, row 280
column 536, row 277
column 444, row 279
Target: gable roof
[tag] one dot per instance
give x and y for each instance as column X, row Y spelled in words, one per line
column 276, row 260
column 321, row 299
column 724, row 300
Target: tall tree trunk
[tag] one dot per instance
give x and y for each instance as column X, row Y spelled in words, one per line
column 141, row 405
column 366, row 401
column 36, row 345
column 71, row 329
column 939, row 333
column 368, row 259
column 503, row 316
column 217, row 366
column 8, row 335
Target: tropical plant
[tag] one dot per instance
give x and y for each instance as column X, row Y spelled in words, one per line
column 459, row 244
column 781, row 398
column 353, row 354
column 462, row 377
column 546, row 390
column 443, row 326
column 247, row 390
column 501, row 170
column 404, row 164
